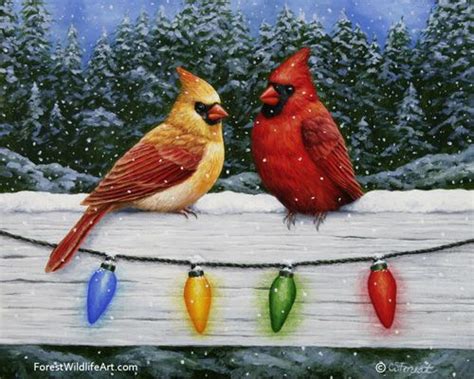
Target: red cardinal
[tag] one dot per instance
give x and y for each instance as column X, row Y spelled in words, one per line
column 297, row 147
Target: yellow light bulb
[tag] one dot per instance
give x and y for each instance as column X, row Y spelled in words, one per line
column 197, row 297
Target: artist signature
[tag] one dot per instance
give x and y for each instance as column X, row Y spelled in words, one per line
column 402, row 367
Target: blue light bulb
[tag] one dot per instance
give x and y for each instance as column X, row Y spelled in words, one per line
column 101, row 290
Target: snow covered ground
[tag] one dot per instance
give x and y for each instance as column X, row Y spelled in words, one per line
column 228, row 202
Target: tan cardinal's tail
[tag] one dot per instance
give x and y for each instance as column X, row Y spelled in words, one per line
column 66, row 249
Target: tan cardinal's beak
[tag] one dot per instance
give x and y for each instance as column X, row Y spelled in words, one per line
column 216, row 113
column 270, row 96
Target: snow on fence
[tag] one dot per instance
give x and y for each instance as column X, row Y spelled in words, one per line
column 436, row 291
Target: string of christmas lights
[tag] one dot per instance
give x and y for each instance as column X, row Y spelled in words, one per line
column 381, row 284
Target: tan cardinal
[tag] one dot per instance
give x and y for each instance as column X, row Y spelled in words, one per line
column 169, row 169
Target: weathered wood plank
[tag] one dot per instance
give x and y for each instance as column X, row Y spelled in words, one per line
column 436, row 292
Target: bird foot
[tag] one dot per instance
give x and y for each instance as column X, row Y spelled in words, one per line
column 187, row 211
column 290, row 220
column 319, row 219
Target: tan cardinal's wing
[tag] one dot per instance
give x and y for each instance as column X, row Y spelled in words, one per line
column 145, row 170
column 325, row 145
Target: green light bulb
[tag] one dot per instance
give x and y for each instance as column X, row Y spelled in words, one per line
column 282, row 296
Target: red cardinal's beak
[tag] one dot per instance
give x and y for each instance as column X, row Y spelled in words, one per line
column 216, row 113
column 270, row 96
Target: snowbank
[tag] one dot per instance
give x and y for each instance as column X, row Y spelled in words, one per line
column 227, row 202
column 19, row 173
column 431, row 171
column 415, row 201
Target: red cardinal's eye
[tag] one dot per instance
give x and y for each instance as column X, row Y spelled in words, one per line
column 290, row 89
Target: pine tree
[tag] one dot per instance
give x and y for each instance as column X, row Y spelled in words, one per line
column 361, row 56
column 141, row 55
column 235, row 94
column 32, row 134
column 340, row 96
column 100, row 141
column 362, row 148
column 58, row 136
column 395, row 71
column 100, row 76
column 160, row 41
column 409, row 132
column 163, row 36
column 34, row 48
column 9, row 81
column 122, row 49
column 319, row 42
column 69, row 78
column 280, row 41
column 145, row 103
column 367, row 95
column 367, row 83
column 457, row 125
column 444, row 73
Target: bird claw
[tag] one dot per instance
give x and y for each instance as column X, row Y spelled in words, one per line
column 187, row 211
column 319, row 219
column 290, row 220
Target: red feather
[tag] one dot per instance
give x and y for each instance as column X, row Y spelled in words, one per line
column 66, row 249
column 143, row 171
column 327, row 149
column 299, row 153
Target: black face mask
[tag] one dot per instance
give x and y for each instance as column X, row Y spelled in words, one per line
column 284, row 92
column 202, row 110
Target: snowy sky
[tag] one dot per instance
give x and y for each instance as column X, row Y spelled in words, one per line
column 374, row 16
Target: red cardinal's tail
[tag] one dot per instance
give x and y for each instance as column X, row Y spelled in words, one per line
column 64, row 252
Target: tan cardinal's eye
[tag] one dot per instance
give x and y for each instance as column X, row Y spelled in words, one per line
column 200, row 108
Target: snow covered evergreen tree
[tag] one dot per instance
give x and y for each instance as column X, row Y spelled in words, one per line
column 367, row 83
column 146, row 105
column 161, row 42
column 123, row 49
column 395, row 71
column 100, row 76
column 456, row 129
column 141, row 35
column 278, row 42
column 9, row 81
column 32, row 134
column 340, row 96
column 58, row 136
column 160, row 39
column 69, row 78
column 444, row 73
column 361, row 59
column 409, row 133
column 101, row 141
column 34, row 49
column 319, row 42
column 239, row 62
column 361, row 148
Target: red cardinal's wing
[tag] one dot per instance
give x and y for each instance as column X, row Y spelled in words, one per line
column 145, row 170
column 325, row 145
